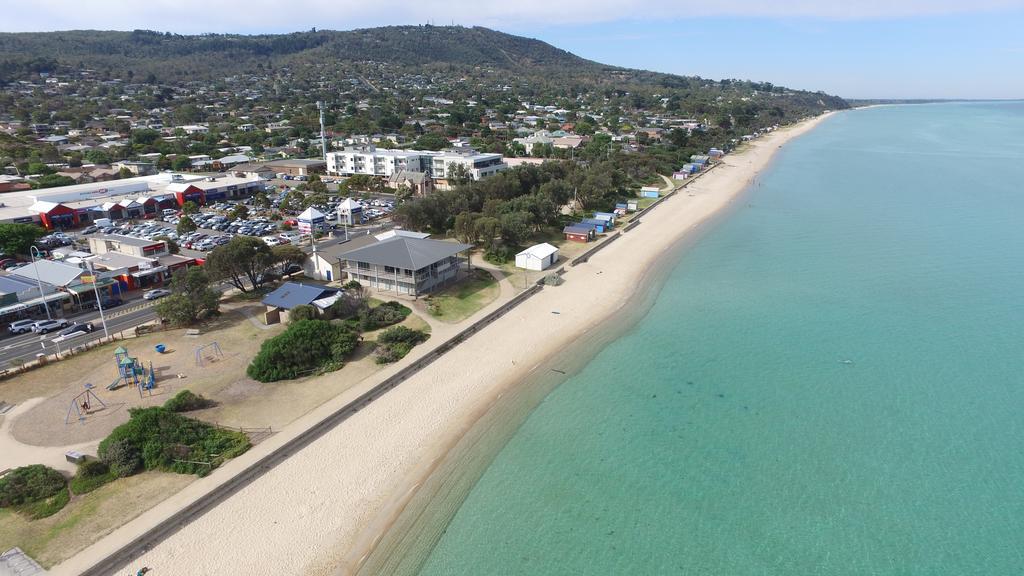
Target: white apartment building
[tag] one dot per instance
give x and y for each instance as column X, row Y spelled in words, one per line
column 478, row 165
column 371, row 161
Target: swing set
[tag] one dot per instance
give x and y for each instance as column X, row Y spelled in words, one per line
column 83, row 404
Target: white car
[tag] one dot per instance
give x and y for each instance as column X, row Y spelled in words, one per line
column 21, row 326
column 156, row 294
column 272, row 241
column 44, row 326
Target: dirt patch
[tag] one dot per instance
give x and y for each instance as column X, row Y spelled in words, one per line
column 88, row 517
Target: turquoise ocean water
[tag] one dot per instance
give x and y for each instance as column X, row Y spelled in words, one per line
column 830, row 381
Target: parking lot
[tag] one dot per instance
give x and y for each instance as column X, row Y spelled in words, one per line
column 216, row 226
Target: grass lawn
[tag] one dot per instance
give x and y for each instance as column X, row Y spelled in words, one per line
column 462, row 300
column 88, row 517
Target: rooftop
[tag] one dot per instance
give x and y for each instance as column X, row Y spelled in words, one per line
column 53, row 273
column 292, row 294
column 406, row 253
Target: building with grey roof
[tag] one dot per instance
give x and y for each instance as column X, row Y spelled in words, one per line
column 405, row 265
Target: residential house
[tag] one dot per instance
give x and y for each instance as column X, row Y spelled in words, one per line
column 419, row 183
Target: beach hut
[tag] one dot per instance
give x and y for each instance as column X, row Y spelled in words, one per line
column 621, row 209
column 650, row 192
column 578, row 233
column 537, row 257
column 680, row 175
column 632, row 205
column 599, row 226
column 608, row 217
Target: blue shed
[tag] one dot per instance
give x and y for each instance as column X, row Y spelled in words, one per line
column 599, row 226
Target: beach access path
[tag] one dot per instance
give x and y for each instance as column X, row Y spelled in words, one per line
column 322, row 509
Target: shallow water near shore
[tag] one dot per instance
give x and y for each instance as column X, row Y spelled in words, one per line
column 829, row 381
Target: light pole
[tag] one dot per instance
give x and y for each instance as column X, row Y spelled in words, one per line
column 99, row 303
column 34, row 252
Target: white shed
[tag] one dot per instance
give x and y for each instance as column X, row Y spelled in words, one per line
column 537, row 257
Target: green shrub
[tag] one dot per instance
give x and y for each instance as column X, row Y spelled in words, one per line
column 46, row 507
column 186, row 401
column 499, row 254
column 394, row 343
column 91, row 475
column 121, row 456
column 35, row 491
column 305, row 347
column 386, row 314
column 352, row 285
column 163, row 440
column 301, row 312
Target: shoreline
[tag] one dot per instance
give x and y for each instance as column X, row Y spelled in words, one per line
column 324, row 509
column 384, row 546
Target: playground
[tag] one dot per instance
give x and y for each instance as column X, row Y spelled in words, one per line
column 55, row 412
column 86, row 396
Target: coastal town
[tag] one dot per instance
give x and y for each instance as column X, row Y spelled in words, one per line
column 246, row 270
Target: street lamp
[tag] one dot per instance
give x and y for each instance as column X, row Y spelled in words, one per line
column 99, row 303
column 34, row 252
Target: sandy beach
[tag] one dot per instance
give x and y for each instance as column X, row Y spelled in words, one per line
column 324, row 508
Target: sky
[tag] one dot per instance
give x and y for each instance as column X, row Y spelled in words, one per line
column 853, row 48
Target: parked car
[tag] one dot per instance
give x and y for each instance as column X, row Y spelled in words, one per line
column 44, row 326
column 156, row 294
column 90, row 230
column 77, row 328
column 20, row 326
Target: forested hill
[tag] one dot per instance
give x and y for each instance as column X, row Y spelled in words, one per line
column 146, row 51
column 144, row 55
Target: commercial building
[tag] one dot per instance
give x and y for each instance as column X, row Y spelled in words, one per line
column 405, row 265
column 141, row 197
column 297, row 166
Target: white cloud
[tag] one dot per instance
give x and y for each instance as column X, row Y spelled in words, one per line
column 191, row 16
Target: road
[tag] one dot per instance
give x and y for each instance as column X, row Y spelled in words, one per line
column 24, row 347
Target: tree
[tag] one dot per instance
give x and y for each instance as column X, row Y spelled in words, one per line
column 186, row 225
column 292, row 201
column 189, row 207
column 18, row 238
column 431, row 141
column 243, row 258
column 239, row 212
column 288, row 254
column 302, row 312
column 51, row 181
column 459, row 174
column 172, row 246
column 181, row 162
column 306, row 346
column 465, row 227
column 260, row 200
column 193, row 298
